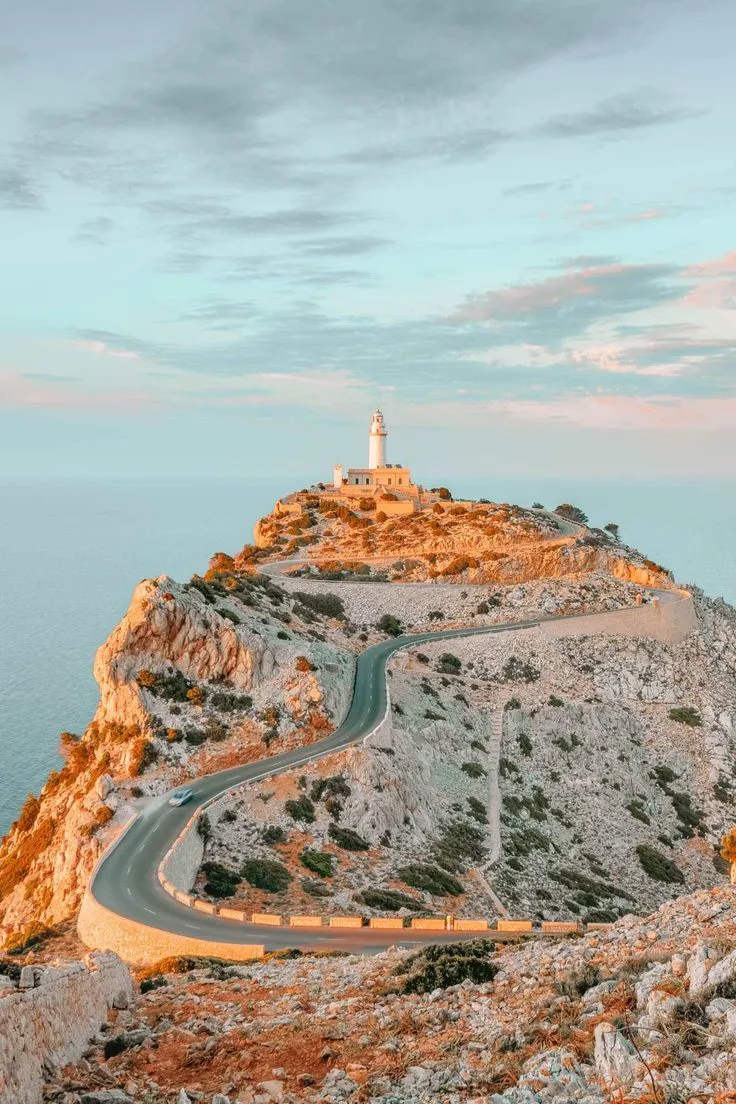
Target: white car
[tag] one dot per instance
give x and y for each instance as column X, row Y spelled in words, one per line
column 180, row 797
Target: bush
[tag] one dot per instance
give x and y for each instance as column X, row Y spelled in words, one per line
column 221, row 882
column 519, row 670
column 390, row 625
column 473, row 770
column 439, row 966
column 572, row 513
column 658, row 866
column 435, row 615
column 142, row 755
column 327, row 605
column 334, row 786
column 266, row 874
column 274, row 834
column 430, row 879
column 319, row 862
column 636, row 809
column 477, row 810
column 300, row 808
column 449, row 663
column 347, row 839
column 687, row 715
column 230, row 703
column 525, row 744
column 204, row 827
column 390, row 900
column 460, row 841
column 578, row 982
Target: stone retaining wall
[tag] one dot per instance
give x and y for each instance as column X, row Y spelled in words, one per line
column 142, row 945
column 50, row 1021
column 669, row 620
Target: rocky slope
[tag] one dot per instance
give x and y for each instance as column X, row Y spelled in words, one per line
column 476, row 542
column 510, row 759
column 643, row 1012
column 195, row 677
column 205, row 674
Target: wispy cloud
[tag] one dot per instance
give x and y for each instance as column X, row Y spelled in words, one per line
column 101, row 348
column 614, row 117
column 18, row 391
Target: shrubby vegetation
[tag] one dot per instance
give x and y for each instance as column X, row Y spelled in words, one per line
column 221, row 882
column 327, row 605
column 347, row 839
column 266, row 874
column 319, row 862
column 441, row 965
column 300, row 808
column 687, row 715
column 430, row 879
column 658, row 866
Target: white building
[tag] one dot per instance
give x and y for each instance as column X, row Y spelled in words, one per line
column 379, row 473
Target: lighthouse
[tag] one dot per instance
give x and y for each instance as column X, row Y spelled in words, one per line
column 377, row 441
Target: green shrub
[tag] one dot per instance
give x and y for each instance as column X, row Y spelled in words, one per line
column 513, row 703
column 347, row 839
column 390, row 625
column 554, row 700
column 519, row 670
column 314, row 887
column 195, row 736
column 473, row 770
column 221, row 882
column 390, row 900
column 441, row 965
column 174, row 686
column 572, row 513
column 229, row 615
column 658, row 866
column 430, row 879
column 300, row 809
column 334, row 786
column 687, row 715
column 636, row 809
column 525, row 744
column 230, row 703
column 449, row 663
column 274, row 833
column 266, row 874
column 327, row 605
column 477, row 810
column 204, row 827
column 476, row 745
column 691, row 819
column 319, row 862
column 459, row 843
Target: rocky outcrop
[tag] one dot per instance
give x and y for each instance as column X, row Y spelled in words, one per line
column 49, row 1016
column 195, row 676
column 610, row 1016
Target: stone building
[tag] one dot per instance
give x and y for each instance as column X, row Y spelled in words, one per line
column 379, row 475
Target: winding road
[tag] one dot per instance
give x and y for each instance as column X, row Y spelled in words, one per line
column 126, row 880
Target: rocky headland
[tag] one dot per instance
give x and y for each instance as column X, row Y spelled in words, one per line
column 570, row 770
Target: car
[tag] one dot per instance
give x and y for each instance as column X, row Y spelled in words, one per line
column 180, row 797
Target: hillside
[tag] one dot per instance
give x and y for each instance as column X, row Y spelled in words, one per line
column 237, row 665
column 643, row 1012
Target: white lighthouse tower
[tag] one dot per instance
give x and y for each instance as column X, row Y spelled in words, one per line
column 377, row 441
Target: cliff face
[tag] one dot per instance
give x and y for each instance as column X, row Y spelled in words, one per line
column 195, row 677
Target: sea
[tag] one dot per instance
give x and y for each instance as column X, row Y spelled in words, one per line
column 71, row 553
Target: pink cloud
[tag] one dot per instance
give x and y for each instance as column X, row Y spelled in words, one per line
column 627, row 412
column 645, row 216
column 716, row 287
column 526, row 298
column 18, row 391
column 101, row 348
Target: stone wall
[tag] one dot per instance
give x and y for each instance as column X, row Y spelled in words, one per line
column 668, row 620
column 50, row 1020
column 183, row 860
column 142, row 945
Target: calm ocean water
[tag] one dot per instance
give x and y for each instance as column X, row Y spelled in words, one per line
column 71, row 553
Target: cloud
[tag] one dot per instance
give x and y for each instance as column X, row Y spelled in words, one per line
column 618, row 115
column 17, row 190
column 19, row 391
column 98, row 231
column 101, row 348
column 715, row 287
column 672, row 413
column 565, row 305
column 536, row 187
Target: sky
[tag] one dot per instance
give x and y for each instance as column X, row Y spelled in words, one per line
column 229, row 230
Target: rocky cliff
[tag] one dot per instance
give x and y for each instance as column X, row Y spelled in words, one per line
column 195, row 677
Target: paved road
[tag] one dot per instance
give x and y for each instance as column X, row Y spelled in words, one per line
column 126, row 880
